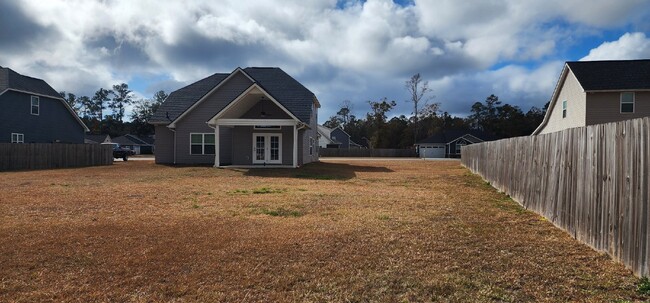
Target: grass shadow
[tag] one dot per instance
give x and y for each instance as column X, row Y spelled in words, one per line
column 317, row 171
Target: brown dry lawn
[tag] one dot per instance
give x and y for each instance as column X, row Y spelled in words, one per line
column 402, row 231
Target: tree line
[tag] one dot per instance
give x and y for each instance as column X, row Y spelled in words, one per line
column 104, row 112
column 375, row 130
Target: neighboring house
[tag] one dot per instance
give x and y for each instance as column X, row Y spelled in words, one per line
column 251, row 117
column 334, row 138
column 447, row 144
column 134, row 143
column 31, row 111
column 97, row 139
column 594, row 92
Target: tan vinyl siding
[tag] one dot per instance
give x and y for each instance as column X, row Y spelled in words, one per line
column 196, row 120
column 604, row 107
column 572, row 92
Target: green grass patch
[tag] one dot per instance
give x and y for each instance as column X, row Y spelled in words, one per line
column 643, row 287
column 279, row 212
column 268, row 190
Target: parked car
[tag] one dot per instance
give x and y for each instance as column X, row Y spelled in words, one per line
column 119, row 152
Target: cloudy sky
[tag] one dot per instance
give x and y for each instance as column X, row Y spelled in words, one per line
column 354, row 50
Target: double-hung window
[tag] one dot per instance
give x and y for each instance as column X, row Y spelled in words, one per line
column 202, row 144
column 36, row 106
column 627, row 102
column 17, row 138
column 564, row 109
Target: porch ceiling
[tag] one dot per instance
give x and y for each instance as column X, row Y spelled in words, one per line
column 243, row 105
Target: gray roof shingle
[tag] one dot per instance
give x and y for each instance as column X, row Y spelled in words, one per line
column 612, row 75
column 13, row 80
column 449, row 135
column 285, row 89
column 296, row 98
column 180, row 100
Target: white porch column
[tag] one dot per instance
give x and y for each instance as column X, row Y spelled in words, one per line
column 295, row 145
column 216, row 146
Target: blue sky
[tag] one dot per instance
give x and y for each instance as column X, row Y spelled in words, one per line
column 340, row 49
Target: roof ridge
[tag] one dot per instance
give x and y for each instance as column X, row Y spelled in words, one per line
column 591, row 61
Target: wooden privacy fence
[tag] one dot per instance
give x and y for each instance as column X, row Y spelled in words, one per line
column 366, row 152
column 591, row 181
column 19, row 156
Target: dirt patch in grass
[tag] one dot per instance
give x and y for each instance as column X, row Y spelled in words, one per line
column 377, row 231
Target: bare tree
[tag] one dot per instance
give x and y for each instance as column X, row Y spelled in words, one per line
column 345, row 112
column 417, row 90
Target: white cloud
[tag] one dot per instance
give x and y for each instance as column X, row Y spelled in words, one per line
column 359, row 50
column 629, row 46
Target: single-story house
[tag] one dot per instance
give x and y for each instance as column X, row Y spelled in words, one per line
column 134, row 143
column 334, row 138
column 595, row 92
column 253, row 117
column 448, row 143
column 33, row 112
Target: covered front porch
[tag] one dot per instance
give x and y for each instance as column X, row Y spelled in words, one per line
column 259, row 131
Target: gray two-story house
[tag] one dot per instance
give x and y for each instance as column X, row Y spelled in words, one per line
column 31, row 111
column 256, row 116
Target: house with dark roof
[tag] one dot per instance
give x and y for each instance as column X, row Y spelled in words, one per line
column 334, row 138
column 448, row 143
column 256, row 116
column 134, row 143
column 595, row 92
column 31, row 111
column 97, row 139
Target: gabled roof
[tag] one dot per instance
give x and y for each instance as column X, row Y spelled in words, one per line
column 296, row 98
column 9, row 79
column 451, row 135
column 612, row 75
column 326, row 133
column 97, row 138
column 290, row 93
column 129, row 140
column 182, row 99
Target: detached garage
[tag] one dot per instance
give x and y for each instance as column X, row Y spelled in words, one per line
column 447, row 144
column 432, row 150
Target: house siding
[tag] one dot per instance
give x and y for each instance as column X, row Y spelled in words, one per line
column 340, row 136
column 572, row 92
column 225, row 145
column 604, row 107
column 303, row 145
column 164, row 145
column 196, row 120
column 54, row 123
column 242, row 145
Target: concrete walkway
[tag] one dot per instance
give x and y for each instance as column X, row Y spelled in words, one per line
column 385, row 159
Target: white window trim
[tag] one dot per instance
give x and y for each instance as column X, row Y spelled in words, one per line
column 620, row 104
column 203, row 144
column 38, row 105
column 565, row 105
column 267, row 148
column 20, row 138
column 311, row 146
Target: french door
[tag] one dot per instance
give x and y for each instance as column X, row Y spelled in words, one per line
column 267, row 148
